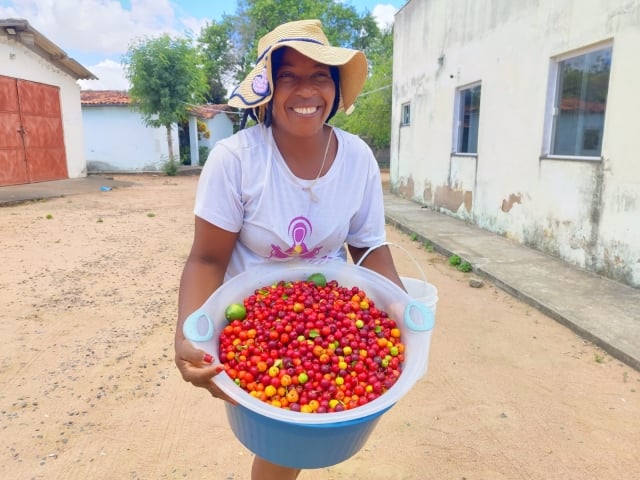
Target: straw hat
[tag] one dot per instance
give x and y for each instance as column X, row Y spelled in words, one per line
column 307, row 37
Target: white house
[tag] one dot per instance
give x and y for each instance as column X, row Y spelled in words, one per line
column 40, row 117
column 116, row 137
column 519, row 117
column 118, row 140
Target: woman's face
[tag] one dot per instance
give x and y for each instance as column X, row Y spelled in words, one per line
column 303, row 94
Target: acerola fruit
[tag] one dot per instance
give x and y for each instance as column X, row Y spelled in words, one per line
column 310, row 348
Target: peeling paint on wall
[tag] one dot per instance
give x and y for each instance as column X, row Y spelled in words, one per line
column 452, row 199
column 406, row 187
column 618, row 263
column 507, row 205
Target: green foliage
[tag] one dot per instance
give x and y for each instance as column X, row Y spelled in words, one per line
column 171, row 167
column 455, row 260
column 166, row 77
column 217, row 57
column 203, row 153
column 371, row 119
column 464, row 267
column 461, row 265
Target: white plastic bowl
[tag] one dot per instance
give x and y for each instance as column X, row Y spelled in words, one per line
column 304, row 440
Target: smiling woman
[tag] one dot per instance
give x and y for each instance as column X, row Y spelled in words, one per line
column 290, row 188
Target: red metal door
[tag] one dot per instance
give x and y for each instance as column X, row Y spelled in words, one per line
column 31, row 135
column 13, row 165
column 43, row 138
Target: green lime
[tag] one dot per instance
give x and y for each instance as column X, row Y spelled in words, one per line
column 318, row 279
column 235, row 311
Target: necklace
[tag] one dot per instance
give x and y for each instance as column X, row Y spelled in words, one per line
column 309, row 188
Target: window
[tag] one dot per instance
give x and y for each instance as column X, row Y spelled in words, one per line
column 406, row 114
column 467, row 120
column 582, row 83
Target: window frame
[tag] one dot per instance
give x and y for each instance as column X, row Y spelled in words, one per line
column 551, row 110
column 405, row 114
column 457, row 119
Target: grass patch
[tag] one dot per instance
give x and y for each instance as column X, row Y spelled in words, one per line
column 460, row 264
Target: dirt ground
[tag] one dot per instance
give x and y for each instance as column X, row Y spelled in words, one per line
column 89, row 390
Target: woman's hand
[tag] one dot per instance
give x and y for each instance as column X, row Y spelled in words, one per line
column 203, row 273
column 196, row 368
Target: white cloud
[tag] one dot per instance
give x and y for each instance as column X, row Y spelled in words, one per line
column 110, row 77
column 384, row 15
column 95, row 26
column 94, row 29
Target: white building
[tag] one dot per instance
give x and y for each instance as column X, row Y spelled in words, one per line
column 116, row 137
column 519, row 117
column 118, row 140
column 40, row 117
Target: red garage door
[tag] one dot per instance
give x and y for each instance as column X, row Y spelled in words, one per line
column 31, row 139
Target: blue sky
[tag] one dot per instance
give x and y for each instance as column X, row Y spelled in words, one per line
column 97, row 33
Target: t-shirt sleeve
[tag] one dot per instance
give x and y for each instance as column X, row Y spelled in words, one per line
column 367, row 226
column 219, row 196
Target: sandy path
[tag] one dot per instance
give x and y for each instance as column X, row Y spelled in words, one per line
column 88, row 388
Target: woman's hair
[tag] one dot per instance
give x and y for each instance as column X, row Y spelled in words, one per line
column 276, row 61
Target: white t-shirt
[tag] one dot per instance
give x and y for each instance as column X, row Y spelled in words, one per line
column 246, row 186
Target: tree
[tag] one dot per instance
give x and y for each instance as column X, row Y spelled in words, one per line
column 217, row 50
column 371, row 118
column 166, row 77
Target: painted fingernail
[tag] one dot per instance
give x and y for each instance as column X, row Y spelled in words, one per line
column 207, row 358
column 219, row 369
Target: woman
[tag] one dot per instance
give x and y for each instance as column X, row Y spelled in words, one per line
column 291, row 187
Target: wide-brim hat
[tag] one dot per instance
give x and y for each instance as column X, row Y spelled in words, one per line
column 306, row 37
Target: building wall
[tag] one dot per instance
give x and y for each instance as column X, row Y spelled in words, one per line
column 584, row 211
column 220, row 127
column 117, row 140
column 19, row 62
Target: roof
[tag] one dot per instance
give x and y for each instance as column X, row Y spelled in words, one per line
column 209, row 110
column 104, row 97
column 22, row 32
column 120, row 97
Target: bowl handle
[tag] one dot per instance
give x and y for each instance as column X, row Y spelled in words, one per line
column 198, row 327
column 428, row 317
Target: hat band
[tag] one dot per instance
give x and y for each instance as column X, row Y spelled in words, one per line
column 292, row 39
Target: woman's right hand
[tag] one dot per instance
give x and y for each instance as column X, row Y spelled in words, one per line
column 196, row 370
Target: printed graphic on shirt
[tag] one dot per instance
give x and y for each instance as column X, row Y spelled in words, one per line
column 299, row 230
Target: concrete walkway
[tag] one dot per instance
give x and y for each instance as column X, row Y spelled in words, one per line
column 600, row 310
column 14, row 194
